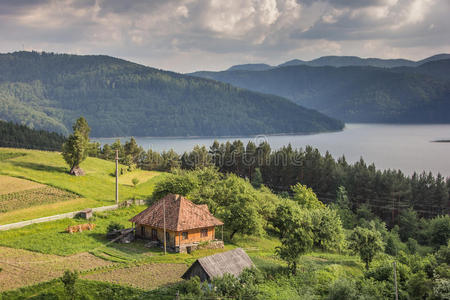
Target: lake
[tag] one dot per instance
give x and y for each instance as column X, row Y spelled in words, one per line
column 405, row 147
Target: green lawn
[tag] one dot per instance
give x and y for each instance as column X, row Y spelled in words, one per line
column 96, row 188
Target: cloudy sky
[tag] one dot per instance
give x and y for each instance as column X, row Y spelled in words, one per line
column 189, row 35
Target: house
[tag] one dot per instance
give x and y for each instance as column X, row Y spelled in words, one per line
column 232, row 262
column 186, row 223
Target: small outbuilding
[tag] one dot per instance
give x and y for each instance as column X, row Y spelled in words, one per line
column 86, row 214
column 186, row 224
column 230, row 262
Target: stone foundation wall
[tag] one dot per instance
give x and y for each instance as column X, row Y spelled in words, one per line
column 216, row 244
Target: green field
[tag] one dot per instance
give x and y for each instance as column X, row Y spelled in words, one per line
column 96, row 188
column 142, row 271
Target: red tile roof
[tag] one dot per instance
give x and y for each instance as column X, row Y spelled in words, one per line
column 181, row 214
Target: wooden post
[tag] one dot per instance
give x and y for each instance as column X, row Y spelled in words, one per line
column 395, row 280
column 117, row 177
column 164, row 218
column 222, row 233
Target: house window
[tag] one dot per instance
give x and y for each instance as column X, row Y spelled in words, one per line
column 184, row 235
column 204, row 233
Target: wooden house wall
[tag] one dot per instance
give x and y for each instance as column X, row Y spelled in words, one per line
column 194, row 235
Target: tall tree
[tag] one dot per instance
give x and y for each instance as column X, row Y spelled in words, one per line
column 75, row 149
column 366, row 243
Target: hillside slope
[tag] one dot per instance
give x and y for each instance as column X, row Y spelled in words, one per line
column 356, row 94
column 96, row 188
column 119, row 98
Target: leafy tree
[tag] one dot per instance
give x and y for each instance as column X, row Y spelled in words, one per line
column 69, row 279
column 419, row 286
column 408, row 224
column 135, row 181
column 176, row 184
column 343, row 209
column 296, row 234
column 366, row 243
column 305, row 197
column 327, row 229
column 412, row 245
column 440, row 230
column 257, row 180
column 238, row 208
column 75, row 149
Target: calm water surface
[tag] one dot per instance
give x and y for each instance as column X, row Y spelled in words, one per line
column 405, row 147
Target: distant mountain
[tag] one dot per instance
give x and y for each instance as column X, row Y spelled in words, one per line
column 357, row 94
column 342, row 61
column 250, row 67
column 436, row 57
column 120, row 98
column 294, row 62
column 439, row 69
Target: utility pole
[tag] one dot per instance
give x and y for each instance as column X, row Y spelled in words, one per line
column 164, row 218
column 395, row 280
column 117, row 177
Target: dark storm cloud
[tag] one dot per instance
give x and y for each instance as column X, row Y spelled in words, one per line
column 186, row 35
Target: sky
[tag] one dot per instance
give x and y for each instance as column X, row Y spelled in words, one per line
column 191, row 35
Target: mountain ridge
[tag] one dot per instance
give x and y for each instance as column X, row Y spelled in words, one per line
column 356, row 93
column 120, row 98
column 341, row 61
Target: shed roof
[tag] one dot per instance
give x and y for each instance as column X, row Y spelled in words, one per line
column 231, row 262
column 181, row 214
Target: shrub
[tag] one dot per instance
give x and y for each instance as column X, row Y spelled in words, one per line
column 419, row 286
column 342, row 289
column 68, row 279
column 114, row 226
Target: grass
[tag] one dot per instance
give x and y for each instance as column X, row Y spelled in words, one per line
column 54, row 289
column 7, row 155
column 13, row 185
column 51, row 238
column 96, row 188
column 21, row 267
column 147, row 276
column 33, row 197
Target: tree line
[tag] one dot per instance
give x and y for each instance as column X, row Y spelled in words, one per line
column 303, row 224
column 386, row 192
column 20, row 136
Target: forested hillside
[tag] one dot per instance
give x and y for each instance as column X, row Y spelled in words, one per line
column 20, row 136
column 356, row 94
column 117, row 97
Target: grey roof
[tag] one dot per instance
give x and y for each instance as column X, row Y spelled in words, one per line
column 232, row 262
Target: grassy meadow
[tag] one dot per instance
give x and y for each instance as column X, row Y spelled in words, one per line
column 96, row 188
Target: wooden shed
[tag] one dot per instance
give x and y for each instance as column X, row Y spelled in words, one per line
column 230, row 262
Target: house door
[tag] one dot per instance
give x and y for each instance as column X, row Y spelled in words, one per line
column 142, row 231
column 154, row 234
